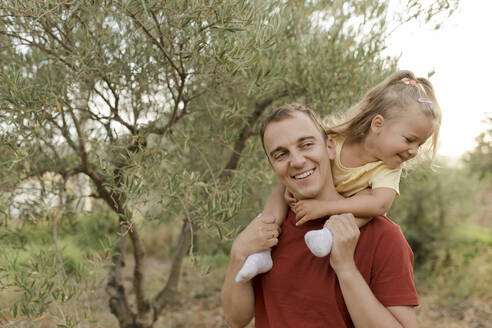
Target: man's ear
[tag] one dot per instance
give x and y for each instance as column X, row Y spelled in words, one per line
column 377, row 123
column 330, row 146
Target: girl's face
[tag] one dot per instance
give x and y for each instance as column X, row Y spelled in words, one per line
column 398, row 139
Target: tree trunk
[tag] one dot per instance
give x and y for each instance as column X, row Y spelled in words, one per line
column 118, row 303
column 167, row 294
column 144, row 316
column 136, row 325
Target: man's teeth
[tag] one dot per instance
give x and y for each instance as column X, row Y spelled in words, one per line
column 305, row 174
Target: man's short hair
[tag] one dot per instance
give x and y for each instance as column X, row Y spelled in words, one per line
column 287, row 111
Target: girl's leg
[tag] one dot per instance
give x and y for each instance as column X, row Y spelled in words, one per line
column 254, row 265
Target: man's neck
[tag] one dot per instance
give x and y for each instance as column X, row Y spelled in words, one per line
column 329, row 194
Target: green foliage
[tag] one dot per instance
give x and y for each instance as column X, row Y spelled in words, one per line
column 431, row 206
column 157, row 102
column 32, row 284
column 452, row 255
column 200, row 70
column 474, row 234
column 479, row 159
column 37, row 286
column 91, row 232
column 460, row 267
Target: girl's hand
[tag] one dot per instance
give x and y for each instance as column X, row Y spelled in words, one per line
column 290, row 199
column 309, row 209
column 262, row 233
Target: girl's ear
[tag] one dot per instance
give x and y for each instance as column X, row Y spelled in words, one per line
column 377, row 123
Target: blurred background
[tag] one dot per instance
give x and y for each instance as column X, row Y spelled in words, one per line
column 129, row 156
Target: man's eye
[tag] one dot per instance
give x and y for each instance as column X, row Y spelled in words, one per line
column 279, row 156
column 307, row 144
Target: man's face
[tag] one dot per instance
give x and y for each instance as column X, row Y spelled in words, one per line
column 299, row 156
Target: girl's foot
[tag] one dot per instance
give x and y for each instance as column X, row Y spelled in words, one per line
column 255, row 264
column 319, row 241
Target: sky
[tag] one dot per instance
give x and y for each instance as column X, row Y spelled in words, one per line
column 460, row 54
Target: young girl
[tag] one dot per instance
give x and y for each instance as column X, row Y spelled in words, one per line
column 385, row 129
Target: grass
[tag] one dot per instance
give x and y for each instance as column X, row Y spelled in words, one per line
column 31, row 282
column 460, row 267
column 473, row 233
column 458, row 272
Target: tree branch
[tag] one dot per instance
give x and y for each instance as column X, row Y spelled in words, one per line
column 40, row 47
column 63, row 129
column 246, row 132
column 157, row 25
column 82, row 148
column 155, row 42
column 116, row 115
column 144, row 309
column 96, row 118
column 54, row 37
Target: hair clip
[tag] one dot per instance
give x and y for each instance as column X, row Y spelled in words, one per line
column 424, row 100
column 408, row 81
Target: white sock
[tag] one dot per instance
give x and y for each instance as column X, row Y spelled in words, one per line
column 319, row 241
column 255, row 264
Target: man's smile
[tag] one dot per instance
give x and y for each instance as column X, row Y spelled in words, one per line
column 303, row 175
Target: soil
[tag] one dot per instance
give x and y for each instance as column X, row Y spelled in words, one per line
column 198, row 304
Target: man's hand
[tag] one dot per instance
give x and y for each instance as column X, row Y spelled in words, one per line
column 260, row 234
column 345, row 236
column 364, row 308
column 309, row 209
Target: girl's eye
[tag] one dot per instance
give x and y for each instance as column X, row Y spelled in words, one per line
column 409, row 140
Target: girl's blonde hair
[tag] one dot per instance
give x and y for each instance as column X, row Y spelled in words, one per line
column 399, row 92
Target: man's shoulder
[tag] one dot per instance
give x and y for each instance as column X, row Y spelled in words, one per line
column 385, row 237
column 382, row 225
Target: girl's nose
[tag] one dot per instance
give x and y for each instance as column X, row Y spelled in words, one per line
column 413, row 151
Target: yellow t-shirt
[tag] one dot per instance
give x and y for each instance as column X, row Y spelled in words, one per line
column 350, row 180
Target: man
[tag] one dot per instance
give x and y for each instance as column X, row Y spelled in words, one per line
column 366, row 281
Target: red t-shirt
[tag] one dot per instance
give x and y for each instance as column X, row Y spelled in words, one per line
column 302, row 290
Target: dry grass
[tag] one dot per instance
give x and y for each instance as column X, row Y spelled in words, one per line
column 198, row 303
column 471, row 313
column 458, row 296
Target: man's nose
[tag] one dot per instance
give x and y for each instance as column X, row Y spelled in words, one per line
column 297, row 159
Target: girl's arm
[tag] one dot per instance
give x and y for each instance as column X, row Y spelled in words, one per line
column 238, row 299
column 365, row 204
column 275, row 205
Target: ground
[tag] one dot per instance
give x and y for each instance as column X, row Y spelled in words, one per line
column 198, row 303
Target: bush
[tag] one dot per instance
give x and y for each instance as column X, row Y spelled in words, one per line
column 461, row 266
column 432, row 205
column 32, row 283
